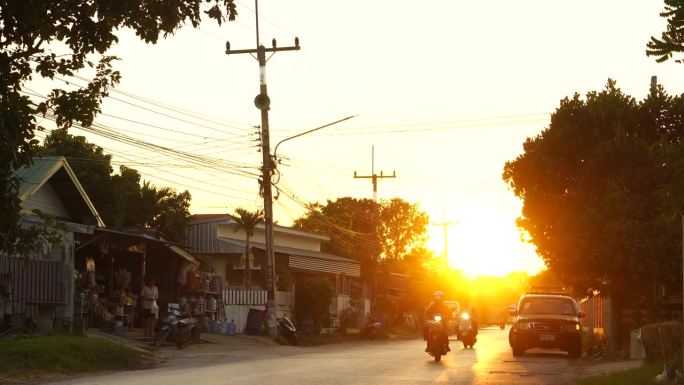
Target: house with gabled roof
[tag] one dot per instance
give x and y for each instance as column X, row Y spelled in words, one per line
column 40, row 286
column 298, row 254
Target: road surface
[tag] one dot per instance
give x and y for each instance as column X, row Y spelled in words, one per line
column 372, row 362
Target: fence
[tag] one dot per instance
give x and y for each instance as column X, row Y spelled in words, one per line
column 30, row 282
column 239, row 301
column 595, row 313
column 245, row 297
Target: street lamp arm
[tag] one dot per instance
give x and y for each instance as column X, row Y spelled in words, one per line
column 275, row 150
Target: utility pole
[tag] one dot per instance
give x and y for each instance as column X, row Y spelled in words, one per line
column 262, row 102
column 374, row 176
column 446, row 245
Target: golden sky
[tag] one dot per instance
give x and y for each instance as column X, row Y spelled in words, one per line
column 446, row 91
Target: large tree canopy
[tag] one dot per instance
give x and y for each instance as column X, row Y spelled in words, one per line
column 121, row 199
column 364, row 230
column 672, row 40
column 60, row 37
column 601, row 193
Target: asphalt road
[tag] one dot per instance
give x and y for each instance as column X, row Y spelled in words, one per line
column 372, row 362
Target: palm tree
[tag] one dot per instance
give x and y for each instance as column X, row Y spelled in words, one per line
column 247, row 221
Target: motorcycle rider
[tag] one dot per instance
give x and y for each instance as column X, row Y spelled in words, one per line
column 437, row 306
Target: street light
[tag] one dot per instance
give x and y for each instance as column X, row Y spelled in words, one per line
column 275, row 150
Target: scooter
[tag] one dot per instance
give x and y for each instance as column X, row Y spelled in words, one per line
column 467, row 330
column 372, row 328
column 176, row 327
column 287, row 329
column 436, row 336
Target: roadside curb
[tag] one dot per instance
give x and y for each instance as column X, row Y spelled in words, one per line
column 135, row 345
column 598, row 369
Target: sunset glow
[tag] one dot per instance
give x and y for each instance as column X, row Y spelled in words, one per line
column 484, row 242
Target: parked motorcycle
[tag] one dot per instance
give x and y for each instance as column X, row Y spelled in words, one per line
column 436, row 336
column 372, row 328
column 177, row 328
column 467, row 330
column 287, row 329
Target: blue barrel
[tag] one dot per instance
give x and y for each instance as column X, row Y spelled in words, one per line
column 231, row 327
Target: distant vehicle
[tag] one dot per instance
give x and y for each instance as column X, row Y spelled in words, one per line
column 287, row 329
column 466, row 331
column 373, row 327
column 546, row 319
column 455, row 307
column 176, row 327
column 437, row 338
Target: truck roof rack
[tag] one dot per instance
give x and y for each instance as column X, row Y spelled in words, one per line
column 557, row 290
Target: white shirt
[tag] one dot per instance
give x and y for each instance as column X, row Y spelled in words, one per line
column 148, row 295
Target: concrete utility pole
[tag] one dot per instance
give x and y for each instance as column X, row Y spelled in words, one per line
column 262, row 102
column 374, row 176
column 446, row 245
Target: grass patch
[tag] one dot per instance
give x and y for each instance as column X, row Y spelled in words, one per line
column 639, row 376
column 64, row 354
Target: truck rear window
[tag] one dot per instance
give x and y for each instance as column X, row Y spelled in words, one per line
column 560, row 306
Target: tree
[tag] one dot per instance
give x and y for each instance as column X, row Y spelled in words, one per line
column 247, row 220
column 61, row 37
column 593, row 186
column 120, row 198
column 364, row 230
column 385, row 237
column 672, row 40
column 313, row 298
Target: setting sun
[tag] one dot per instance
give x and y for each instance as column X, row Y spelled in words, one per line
column 483, row 241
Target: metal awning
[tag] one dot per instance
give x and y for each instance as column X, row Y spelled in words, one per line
column 183, row 254
column 309, row 260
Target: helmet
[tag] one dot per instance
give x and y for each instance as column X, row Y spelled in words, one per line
column 438, row 295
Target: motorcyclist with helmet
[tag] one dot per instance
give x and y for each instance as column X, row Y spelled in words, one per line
column 437, row 306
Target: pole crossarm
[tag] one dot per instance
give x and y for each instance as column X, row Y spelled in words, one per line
column 256, row 50
column 374, row 176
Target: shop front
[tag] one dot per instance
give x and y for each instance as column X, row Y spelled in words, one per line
column 114, row 265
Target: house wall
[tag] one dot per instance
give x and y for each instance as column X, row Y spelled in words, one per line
column 279, row 238
column 47, row 201
column 200, row 238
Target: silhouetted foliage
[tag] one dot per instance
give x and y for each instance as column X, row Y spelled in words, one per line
column 672, row 40
column 247, row 221
column 60, row 37
column 364, row 230
column 313, row 298
column 602, row 191
column 120, row 198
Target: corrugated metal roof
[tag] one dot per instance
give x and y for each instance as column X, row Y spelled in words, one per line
column 312, row 260
column 43, row 168
column 226, row 219
column 200, row 237
column 326, row 266
column 197, row 218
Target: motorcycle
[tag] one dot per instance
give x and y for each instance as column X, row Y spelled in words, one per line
column 176, row 327
column 467, row 330
column 436, row 336
column 287, row 329
column 372, row 328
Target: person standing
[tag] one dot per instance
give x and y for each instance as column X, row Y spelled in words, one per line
column 149, row 295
